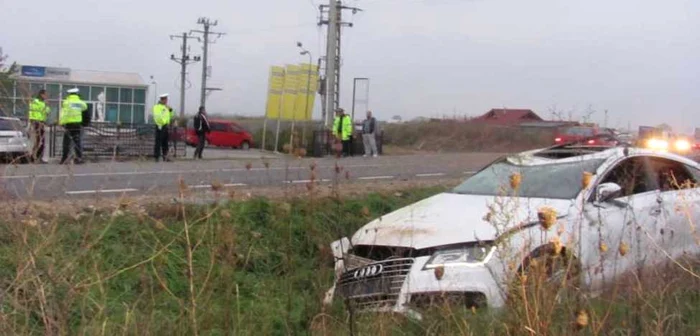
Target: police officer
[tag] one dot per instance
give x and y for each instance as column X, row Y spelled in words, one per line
column 38, row 112
column 162, row 115
column 342, row 130
column 71, row 118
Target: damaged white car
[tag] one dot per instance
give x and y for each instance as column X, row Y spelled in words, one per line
column 609, row 208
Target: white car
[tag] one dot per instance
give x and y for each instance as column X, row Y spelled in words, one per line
column 609, row 209
column 14, row 142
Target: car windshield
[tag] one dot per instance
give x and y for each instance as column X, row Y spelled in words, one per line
column 579, row 131
column 556, row 180
column 10, row 125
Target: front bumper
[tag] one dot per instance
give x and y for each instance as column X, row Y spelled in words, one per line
column 412, row 288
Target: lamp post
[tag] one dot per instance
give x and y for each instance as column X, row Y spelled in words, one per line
column 308, row 86
column 155, row 90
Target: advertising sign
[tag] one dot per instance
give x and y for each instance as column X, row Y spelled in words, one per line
column 33, row 71
column 274, row 92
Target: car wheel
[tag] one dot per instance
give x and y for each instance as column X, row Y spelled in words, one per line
column 551, row 274
column 245, row 145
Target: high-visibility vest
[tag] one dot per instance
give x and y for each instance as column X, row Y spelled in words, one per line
column 161, row 115
column 38, row 111
column 345, row 129
column 72, row 110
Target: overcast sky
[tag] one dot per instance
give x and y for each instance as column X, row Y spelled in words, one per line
column 639, row 59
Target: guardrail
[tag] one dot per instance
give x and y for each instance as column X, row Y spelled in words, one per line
column 109, row 140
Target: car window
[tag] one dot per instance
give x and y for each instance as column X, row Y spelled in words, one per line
column 672, row 175
column 633, row 175
column 10, row 125
column 236, row 129
column 219, row 127
column 579, row 131
column 558, row 180
column 190, row 123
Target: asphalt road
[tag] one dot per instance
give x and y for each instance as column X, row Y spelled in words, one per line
column 109, row 179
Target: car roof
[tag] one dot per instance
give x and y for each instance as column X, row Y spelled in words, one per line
column 572, row 154
column 10, row 118
column 223, row 121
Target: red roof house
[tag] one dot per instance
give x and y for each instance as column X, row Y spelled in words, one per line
column 505, row 116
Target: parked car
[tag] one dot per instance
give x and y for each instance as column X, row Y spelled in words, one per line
column 473, row 242
column 14, row 141
column 578, row 133
column 224, row 133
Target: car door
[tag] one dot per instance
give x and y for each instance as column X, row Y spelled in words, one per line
column 217, row 135
column 614, row 237
column 679, row 196
column 238, row 135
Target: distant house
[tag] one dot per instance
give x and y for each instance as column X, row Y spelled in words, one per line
column 504, row 116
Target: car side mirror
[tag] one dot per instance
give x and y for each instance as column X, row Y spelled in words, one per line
column 607, row 191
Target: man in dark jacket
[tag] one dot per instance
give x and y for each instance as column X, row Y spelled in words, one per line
column 201, row 127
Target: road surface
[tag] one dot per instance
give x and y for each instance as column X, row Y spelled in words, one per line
column 46, row 182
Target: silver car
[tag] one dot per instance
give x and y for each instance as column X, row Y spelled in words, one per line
column 14, row 142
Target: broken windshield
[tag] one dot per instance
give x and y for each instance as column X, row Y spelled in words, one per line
column 556, row 180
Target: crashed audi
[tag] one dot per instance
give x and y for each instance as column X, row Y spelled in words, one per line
column 609, row 208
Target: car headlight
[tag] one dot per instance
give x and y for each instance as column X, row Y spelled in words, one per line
column 657, row 144
column 18, row 141
column 682, row 145
column 465, row 256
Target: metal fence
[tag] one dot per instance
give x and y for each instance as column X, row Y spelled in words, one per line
column 324, row 140
column 109, row 140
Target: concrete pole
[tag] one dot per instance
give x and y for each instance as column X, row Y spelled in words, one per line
column 331, row 59
column 183, row 73
column 205, row 60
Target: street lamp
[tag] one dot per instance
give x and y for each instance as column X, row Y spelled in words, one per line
column 155, row 93
column 308, row 85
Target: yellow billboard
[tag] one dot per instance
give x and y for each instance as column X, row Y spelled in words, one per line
column 274, row 92
column 307, row 83
column 289, row 96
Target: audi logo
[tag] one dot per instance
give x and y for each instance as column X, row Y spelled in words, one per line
column 368, row 271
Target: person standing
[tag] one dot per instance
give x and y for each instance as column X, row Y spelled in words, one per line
column 162, row 115
column 342, row 130
column 38, row 112
column 201, row 127
column 71, row 119
column 369, row 138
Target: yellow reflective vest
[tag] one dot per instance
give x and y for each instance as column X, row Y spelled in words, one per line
column 344, row 131
column 38, row 111
column 161, row 115
column 72, row 110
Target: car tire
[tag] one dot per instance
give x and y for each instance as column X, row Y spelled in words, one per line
column 548, row 274
column 245, row 145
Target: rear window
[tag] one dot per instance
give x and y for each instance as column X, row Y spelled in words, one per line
column 580, row 131
column 10, row 125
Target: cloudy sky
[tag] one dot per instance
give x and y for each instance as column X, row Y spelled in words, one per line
column 638, row 59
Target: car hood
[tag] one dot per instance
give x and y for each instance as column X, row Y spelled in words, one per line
column 448, row 218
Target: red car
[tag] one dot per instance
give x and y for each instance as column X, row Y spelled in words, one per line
column 224, row 133
column 579, row 133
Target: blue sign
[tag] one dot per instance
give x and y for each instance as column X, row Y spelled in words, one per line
column 33, row 71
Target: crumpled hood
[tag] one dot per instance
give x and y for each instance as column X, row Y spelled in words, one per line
column 447, row 218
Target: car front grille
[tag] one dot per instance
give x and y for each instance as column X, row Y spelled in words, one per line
column 374, row 286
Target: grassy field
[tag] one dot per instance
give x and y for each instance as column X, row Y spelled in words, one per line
column 260, row 267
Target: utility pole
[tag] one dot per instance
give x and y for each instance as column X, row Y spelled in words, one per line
column 207, row 23
column 184, row 61
column 331, row 78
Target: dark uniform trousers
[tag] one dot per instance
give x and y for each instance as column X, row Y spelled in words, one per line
column 162, row 139
column 71, row 135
